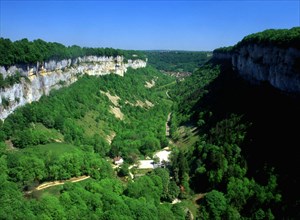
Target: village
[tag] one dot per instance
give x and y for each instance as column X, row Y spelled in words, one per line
column 161, row 159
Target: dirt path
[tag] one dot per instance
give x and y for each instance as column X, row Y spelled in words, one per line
column 167, row 125
column 60, row 182
column 198, row 197
column 130, row 174
column 188, row 211
column 167, row 94
column 10, row 145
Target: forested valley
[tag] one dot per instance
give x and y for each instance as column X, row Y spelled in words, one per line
column 177, row 61
column 66, row 135
column 223, row 164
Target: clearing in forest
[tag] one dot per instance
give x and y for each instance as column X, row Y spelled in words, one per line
column 150, row 84
column 117, row 112
column 114, row 99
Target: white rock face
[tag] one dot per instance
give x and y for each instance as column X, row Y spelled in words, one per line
column 136, row 64
column 257, row 63
column 279, row 67
column 54, row 75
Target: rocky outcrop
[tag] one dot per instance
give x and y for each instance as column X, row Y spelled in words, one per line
column 53, row 75
column 280, row 67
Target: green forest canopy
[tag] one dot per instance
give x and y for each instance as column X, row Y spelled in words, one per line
column 177, row 61
column 29, row 52
column 277, row 37
column 79, row 116
column 282, row 38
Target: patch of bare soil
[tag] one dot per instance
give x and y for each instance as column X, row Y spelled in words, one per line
column 117, row 112
column 110, row 137
column 60, row 182
column 150, row 84
column 10, row 145
column 145, row 104
column 113, row 99
column 149, row 104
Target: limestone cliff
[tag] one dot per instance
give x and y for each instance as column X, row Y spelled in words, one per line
column 40, row 79
column 280, row 67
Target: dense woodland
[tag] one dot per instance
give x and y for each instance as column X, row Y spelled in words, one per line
column 282, row 38
column 223, row 163
column 215, row 162
column 279, row 37
column 177, row 61
column 64, row 135
column 29, row 52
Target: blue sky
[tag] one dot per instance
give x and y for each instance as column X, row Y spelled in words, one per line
column 181, row 25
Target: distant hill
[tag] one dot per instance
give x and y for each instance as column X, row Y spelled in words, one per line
column 177, row 61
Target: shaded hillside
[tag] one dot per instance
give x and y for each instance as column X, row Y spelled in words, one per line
column 270, row 56
column 272, row 138
column 270, row 117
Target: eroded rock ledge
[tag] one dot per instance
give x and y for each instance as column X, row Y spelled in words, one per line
column 40, row 79
column 280, row 67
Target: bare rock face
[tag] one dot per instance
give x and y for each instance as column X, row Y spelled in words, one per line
column 136, row 64
column 53, row 75
column 279, row 67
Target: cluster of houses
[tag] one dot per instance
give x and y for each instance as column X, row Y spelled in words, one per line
column 161, row 159
column 118, row 161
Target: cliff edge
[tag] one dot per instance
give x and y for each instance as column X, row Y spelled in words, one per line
column 271, row 56
column 24, row 84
